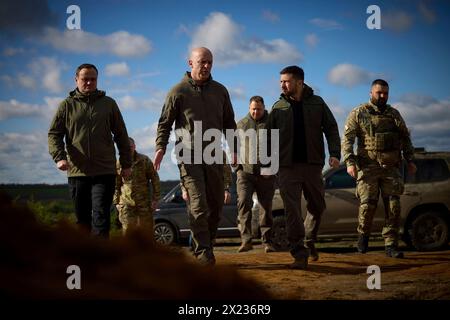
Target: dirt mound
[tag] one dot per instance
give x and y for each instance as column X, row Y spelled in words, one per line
column 36, row 257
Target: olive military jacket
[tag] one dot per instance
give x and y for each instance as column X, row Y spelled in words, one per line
column 247, row 154
column 187, row 102
column 85, row 122
column 318, row 120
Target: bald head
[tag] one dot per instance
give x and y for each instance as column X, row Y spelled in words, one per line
column 200, row 61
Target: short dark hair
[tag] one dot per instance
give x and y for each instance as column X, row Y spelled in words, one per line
column 86, row 66
column 257, row 99
column 131, row 140
column 381, row 82
column 296, row 71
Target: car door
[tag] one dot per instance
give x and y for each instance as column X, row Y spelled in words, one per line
column 341, row 214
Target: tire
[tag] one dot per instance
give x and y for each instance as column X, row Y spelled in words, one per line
column 429, row 231
column 164, row 233
column 279, row 234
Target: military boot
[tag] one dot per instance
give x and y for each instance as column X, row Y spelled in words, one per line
column 391, row 251
column 300, row 263
column 363, row 243
column 313, row 253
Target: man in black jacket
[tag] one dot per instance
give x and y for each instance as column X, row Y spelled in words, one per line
column 302, row 118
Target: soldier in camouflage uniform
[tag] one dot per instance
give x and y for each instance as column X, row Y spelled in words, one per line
column 132, row 196
column 382, row 138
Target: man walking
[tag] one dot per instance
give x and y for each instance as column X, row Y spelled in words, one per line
column 81, row 141
column 250, row 180
column 132, row 196
column 382, row 138
column 302, row 119
column 198, row 98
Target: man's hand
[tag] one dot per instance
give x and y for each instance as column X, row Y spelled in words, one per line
column 412, row 169
column 334, row 162
column 125, row 173
column 159, row 154
column 227, row 197
column 63, row 165
column 154, row 204
column 185, row 195
column 234, row 159
column 352, row 171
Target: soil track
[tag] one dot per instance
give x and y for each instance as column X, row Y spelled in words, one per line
column 341, row 273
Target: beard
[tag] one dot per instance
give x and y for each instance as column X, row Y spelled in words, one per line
column 380, row 103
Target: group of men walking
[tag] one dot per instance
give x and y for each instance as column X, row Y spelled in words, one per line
column 88, row 123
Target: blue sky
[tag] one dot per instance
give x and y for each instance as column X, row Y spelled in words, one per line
column 141, row 47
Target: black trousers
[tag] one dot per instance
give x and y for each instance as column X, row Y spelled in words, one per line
column 92, row 198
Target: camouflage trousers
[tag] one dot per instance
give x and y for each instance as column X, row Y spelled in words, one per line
column 264, row 187
column 205, row 187
column 371, row 182
column 133, row 217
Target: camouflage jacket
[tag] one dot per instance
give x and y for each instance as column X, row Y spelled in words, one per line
column 134, row 190
column 187, row 102
column 85, row 123
column 248, row 153
column 318, row 120
column 360, row 125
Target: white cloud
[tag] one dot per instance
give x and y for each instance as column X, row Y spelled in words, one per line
column 27, row 81
column 348, row 75
column 131, row 103
column 224, row 38
column 11, row 51
column 270, row 16
column 15, row 109
column 312, row 40
column 24, row 158
column 397, row 21
column 117, row 69
column 120, row 43
column 326, row 24
column 237, row 93
column 428, row 119
column 47, row 72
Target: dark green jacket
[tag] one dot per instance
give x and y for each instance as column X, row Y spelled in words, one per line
column 83, row 132
column 318, row 121
column 245, row 124
column 187, row 102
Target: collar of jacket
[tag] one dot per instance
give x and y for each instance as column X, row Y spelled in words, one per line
column 262, row 119
column 188, row 78
column 76, row 94
column 306, row 94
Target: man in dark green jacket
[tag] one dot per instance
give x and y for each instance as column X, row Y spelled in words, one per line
column 80, row 142
column 250, row 180
column 302, row 119
column 196, row 104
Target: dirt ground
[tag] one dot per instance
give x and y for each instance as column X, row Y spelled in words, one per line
column 341, row 273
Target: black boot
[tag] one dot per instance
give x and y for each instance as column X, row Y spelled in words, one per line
column 363, row 243
column 391, row 251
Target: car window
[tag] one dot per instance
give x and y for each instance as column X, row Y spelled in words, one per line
column 428, row 170
column 340, row 180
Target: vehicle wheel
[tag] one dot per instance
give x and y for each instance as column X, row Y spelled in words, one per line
column 279, row 233
column 429, row 231
column 164, row 233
